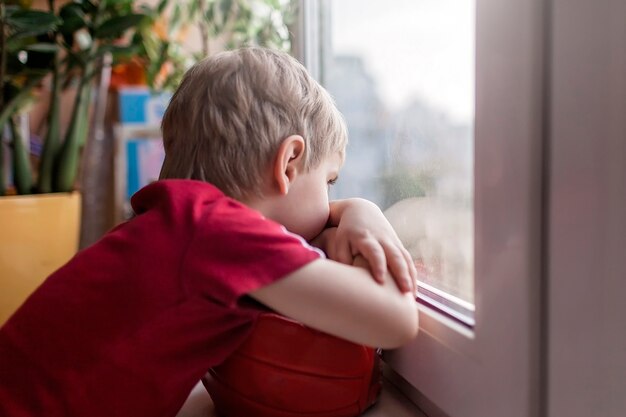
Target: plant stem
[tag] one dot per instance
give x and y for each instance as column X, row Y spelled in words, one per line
column 3, row 58
column 22, row 96
column 3, row 53
column 204, row 31
column 2, row 179
column 51, row 143
column 67, row 160
column 22, row 175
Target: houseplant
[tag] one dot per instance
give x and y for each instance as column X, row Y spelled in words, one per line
column 39, row 226
column 183, row 33
column 65, row 46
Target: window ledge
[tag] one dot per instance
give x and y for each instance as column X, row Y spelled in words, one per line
column 393, row 403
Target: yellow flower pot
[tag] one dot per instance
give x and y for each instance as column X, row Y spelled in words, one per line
column 38, row 234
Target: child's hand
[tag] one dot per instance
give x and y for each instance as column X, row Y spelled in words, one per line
column 362, row 229
column 326, row 242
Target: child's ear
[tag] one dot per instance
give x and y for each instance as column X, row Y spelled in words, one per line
column 289, row 159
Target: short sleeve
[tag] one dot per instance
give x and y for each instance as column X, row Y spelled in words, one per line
column 235, row 250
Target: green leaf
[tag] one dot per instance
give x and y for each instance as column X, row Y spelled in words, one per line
column 162, row 5
column 119, row 8
column 43, row 47
column 192, row 9
column 155, row 65
column 88, row 6
column 33, row 20
column 16, row 44
column 116, row 26
column 11, row 8
column 209, row 15
column 73, row 18
column 177, row 15
column 26, row 33
column 225, row 7
column 273, row 3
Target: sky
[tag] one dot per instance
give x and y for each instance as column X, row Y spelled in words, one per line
column 422, row 48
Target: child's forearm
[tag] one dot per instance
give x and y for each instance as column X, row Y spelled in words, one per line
column 337, row 208
column 346, row 302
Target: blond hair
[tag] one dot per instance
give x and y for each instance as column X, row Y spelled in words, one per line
column 232, row 111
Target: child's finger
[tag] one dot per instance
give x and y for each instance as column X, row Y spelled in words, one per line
column 373, row 252
column 399, row 269
column 412, row 269
column 343, row 252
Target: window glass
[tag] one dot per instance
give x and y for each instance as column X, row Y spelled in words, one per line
column 402, row 74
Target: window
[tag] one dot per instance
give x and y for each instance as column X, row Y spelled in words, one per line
column 548, row 196
column 466, row 148
column 402, row 74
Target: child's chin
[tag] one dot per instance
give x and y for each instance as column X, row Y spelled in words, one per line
column 313, row 231
column 307, row 233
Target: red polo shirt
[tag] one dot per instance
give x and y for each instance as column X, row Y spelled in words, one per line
column 129, row 325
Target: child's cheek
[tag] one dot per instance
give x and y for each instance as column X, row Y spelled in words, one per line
column 314, row 220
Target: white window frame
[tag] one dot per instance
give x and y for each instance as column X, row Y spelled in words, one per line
column 586, row 355
column 493, row 369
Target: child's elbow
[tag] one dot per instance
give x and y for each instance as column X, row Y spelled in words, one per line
column 405, row 326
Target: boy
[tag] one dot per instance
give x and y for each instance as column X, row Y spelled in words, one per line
column 129, row 325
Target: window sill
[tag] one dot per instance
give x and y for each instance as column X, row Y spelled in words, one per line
column 393, row 403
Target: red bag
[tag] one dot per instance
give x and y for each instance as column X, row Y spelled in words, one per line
column 285, row 369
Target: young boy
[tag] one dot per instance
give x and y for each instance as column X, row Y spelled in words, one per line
column 129, row 325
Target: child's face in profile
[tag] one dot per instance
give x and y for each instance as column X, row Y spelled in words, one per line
column 305, row 208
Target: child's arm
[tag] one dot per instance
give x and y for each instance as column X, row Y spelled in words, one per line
column 362, row 229
column 346, row 302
